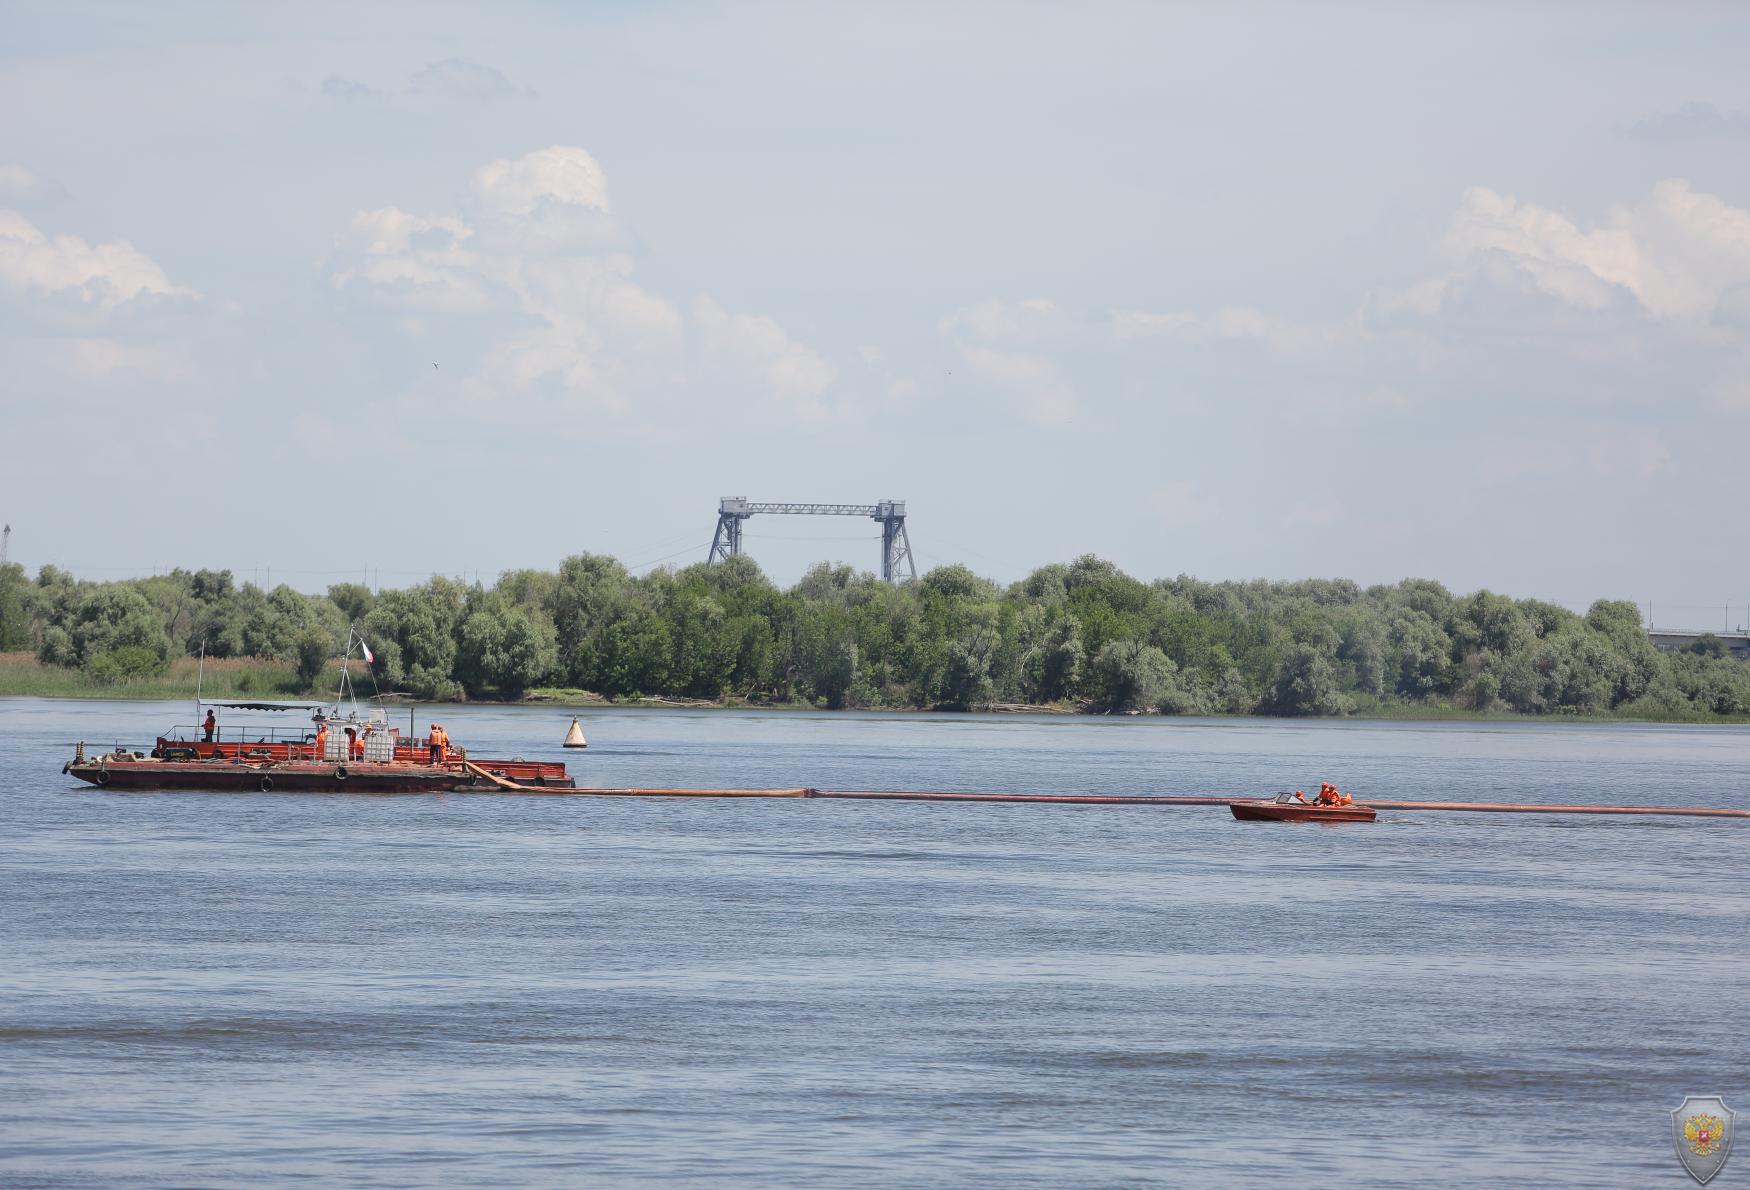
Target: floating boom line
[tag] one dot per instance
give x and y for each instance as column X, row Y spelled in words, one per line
column 1123, row 799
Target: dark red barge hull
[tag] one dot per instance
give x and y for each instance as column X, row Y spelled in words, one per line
column 218, row 776
column 281, row 753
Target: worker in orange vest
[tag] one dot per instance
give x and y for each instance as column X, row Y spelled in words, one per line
column 210, row 725
column 358, row 744
column 1330, row 795
column 321, row 739
column 438, row 742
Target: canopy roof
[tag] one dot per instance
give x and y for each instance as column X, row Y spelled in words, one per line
column 267, row 706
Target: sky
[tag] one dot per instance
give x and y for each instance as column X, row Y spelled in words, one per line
column 1245, row 291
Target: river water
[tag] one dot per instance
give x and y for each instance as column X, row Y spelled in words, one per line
column 273, row 989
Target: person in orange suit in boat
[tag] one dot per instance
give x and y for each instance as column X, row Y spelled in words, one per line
column 321, row 739
column 354, row 750
column 1330, row 795
column 438, row 740
column 1301, row 798
column 209, row 725
column 358, row 743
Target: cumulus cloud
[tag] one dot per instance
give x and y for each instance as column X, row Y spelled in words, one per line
column 536, row 245
column 1676, row 254
column 1694, row 120
column 99, row 277
column 751, row 342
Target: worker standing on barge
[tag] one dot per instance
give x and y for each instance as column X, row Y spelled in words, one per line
column 439, row 743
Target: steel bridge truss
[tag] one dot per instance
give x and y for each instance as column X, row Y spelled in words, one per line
column 896, row 560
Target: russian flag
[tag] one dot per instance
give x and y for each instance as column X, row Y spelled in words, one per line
column 370, row 659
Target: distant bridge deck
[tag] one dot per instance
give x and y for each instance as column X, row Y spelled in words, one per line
column 1675, row 640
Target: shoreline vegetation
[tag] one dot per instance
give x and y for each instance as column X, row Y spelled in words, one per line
column 1076, row 637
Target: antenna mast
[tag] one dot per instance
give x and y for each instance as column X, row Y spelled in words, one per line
column 5, row 541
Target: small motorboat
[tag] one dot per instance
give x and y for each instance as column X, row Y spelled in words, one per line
column 1285, row 807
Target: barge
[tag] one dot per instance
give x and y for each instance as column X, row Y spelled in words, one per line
column 340, row 752
column 129, row 771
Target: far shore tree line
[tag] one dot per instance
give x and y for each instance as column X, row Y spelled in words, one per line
column 1082, row 635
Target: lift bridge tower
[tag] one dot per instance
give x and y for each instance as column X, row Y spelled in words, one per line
column 896, row 560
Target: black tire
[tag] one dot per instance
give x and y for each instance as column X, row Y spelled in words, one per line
column 340, row 773
column 265, row 784
column 103, row 776
column 156, row 755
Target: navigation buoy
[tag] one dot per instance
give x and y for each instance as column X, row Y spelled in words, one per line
column 574, row 737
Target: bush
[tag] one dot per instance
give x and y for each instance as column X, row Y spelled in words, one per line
column 124, row 662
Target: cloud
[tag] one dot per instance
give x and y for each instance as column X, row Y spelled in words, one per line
column 98, row 277
column 458, row 80
column 559, row 175
column 1608, row 453
column 1731, row 394
column 1232, row 322
column 345, row 90
column 531, row 269
column 1181, row 504
column 995, row 321
column 1006, row 345
column 1676, row 254
column 102, row 359
column 1045, row 397
column 464, row 79
column 761, row 346
column 20, row 185
column 1694, row 120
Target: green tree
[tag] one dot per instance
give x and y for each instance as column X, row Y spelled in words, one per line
column 115, row 617
column 1307, row 684
column 1129, row 675
column 353, row 600
column 313, row 649
column 503, row 649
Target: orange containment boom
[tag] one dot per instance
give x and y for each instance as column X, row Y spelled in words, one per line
column 1098, row 799
column 1108, row 799
column 1514, row 808
column 1067, row 799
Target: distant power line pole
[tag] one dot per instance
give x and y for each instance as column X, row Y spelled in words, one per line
column 5, row 543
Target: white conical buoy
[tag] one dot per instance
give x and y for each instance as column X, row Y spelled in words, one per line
column 574, row 737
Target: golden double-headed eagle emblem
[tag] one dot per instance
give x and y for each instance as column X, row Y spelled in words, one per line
column 1702, row 1134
